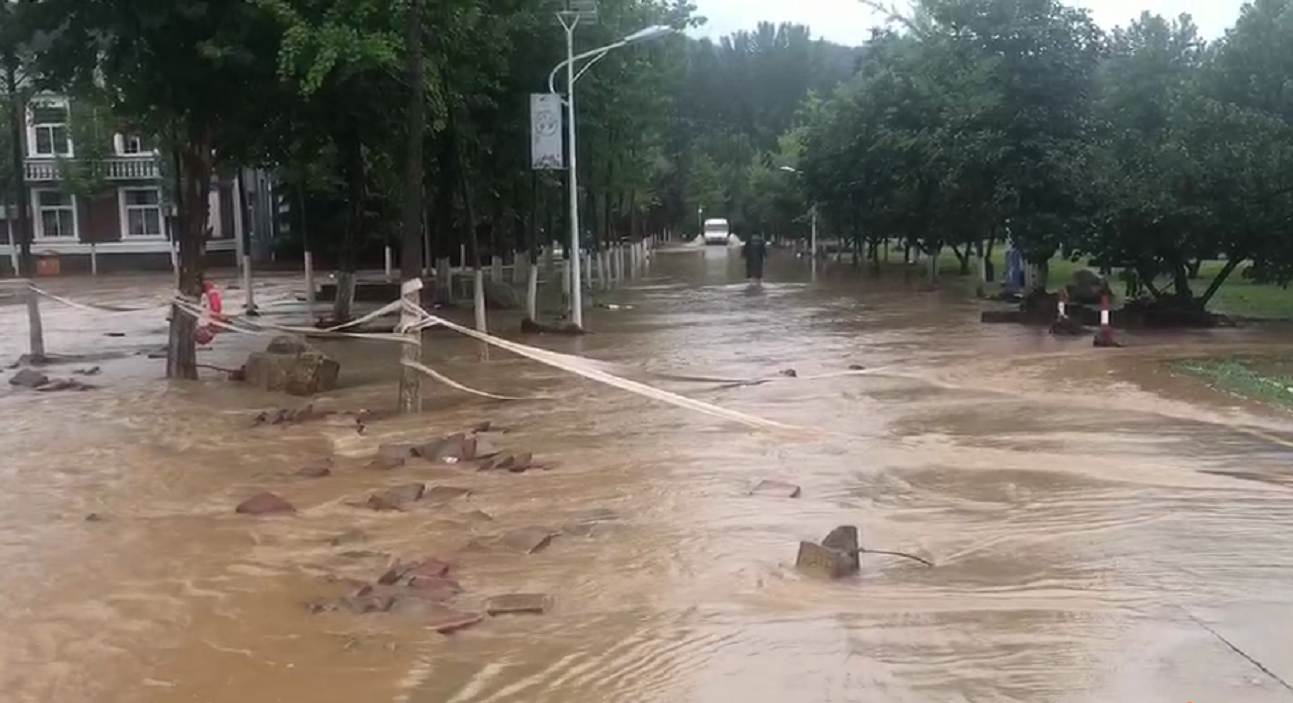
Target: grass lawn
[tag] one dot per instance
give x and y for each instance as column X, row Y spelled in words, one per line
column 1237, row 296
column 1265, row 379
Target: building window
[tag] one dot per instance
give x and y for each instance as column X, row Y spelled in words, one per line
column 55, row 215
column 133, row 145
column 49, row 133
column 142, row 212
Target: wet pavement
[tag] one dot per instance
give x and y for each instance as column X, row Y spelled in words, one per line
column 1095, row 527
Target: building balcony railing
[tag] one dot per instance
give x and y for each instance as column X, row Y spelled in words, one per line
column 116, row 168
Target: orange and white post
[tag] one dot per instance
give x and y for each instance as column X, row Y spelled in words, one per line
column 1104, row 338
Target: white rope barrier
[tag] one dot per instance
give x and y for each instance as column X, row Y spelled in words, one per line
column 587, row 368
column 458, row 386
column 580, row 367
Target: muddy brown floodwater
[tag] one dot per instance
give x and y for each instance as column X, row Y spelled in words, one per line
column 1088, row 535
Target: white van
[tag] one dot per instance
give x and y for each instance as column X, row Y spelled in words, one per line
column 716, row 231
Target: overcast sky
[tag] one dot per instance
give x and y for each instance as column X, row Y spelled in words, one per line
column 849, row 22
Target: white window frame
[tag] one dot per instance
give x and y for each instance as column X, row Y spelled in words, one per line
column 120, row 141
column 33, row 127
column 39, row 219
column 123, row 212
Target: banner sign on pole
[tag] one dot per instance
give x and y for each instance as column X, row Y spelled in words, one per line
column 546, row 146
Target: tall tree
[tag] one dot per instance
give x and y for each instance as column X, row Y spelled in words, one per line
column 182, row 68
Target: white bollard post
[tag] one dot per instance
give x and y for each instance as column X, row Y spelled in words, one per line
column 35, row 326
column 309, row 287
column 532, row 290
column 247, row 284
column 479, row 298
column 175, row 264
column 94, row 259
column 389, row 261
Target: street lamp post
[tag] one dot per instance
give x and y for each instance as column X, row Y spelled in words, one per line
column 592, row 56
column 812, row 242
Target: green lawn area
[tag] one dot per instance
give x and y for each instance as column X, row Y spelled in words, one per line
column 1237, row 296
column 1265, row 379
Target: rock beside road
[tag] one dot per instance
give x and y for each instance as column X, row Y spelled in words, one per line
column 37, row 381
column 28, row 378
column 1086, row 287
column 291, row 366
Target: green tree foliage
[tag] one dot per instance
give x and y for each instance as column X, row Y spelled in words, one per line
column 1144, row 148
column 735, row 102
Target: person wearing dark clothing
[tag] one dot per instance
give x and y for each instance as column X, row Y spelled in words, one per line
column 755, row 252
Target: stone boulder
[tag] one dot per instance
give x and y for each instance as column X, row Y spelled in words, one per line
column 288, row 345
column 305, row 372
column 1085, row 287
column 28, row 378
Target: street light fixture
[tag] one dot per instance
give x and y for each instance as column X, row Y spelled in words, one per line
column 570, row 20
column 813, row 236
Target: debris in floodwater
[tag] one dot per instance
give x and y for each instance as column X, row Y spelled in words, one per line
column 64, row 384
column 516, row 603
column 280, row 416
column 816, row 560
column 95, row 517
column 527, row 540
column 444, row 494
column 515, row 463
column 396, row 498
column 779, row 489
column 447, row 621
column 348, row 537
column 790, row 373
column 857, row 367
column 319, row 468
column 265, row 504
column 839, row 553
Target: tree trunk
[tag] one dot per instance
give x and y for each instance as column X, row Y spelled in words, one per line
column 1232, row 262
column 963, row 259
column 196, row 165
column 18, row 119
column 410, row 392
column 1181, row 281
column 532, row 249
column 464, row 184
column 356, row 177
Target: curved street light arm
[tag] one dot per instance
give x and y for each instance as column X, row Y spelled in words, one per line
column 594, row 54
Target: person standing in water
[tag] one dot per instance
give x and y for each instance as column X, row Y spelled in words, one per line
column 755, row 252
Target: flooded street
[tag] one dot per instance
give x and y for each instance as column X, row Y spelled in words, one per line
column 1092, row 540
